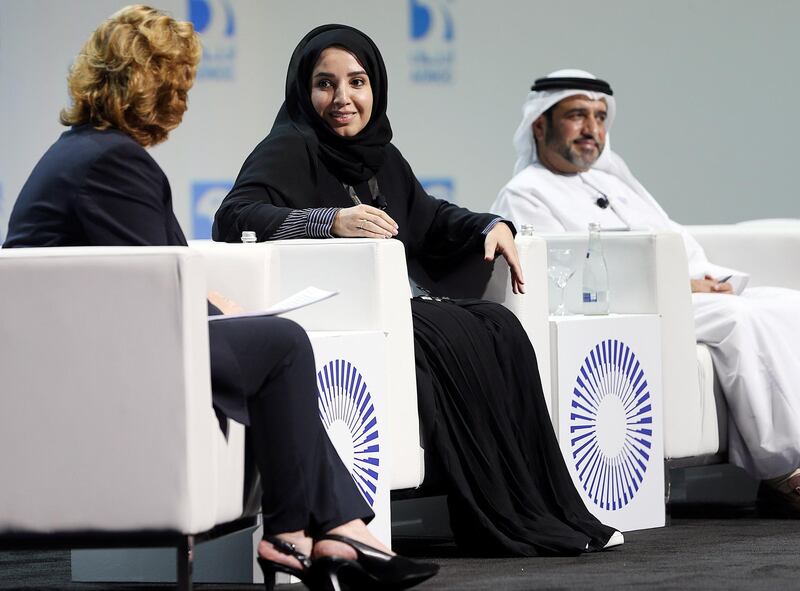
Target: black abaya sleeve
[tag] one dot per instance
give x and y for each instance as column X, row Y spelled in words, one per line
column 273, row 178
column 440, row 233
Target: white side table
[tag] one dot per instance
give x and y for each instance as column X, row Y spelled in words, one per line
column 607, row 411
column 353, row 407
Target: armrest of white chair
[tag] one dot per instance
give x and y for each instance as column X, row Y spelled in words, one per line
column 238, row 272
column 531, row 308
column 372, row 281
column 106, row 391
column 764, row 251
column 683, row 428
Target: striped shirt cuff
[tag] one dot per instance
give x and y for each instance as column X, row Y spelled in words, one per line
column 320, row 222
column 307, row 223
column 491, row 225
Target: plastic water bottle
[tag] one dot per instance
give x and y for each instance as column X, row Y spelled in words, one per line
column 248, row 237
column 595, row 275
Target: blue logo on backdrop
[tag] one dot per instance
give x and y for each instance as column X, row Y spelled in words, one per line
column 611, row 425
column 443, row 188
column 216, row 23
column 348, row 414
column 206, row 199
column 432, row 32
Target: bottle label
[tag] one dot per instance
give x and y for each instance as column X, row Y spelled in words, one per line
column 589, row 297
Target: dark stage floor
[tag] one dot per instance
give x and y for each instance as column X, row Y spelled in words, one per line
column 734, row 552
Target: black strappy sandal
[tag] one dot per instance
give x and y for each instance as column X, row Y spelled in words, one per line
column 372, row 569
column 270, row 567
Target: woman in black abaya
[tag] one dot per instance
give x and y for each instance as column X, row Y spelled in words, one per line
column 328, row 169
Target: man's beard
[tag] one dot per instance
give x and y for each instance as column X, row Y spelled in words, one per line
column 570, row 152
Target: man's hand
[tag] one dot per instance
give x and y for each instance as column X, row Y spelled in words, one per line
column 710, row 285
column 225, row 305
column 363, row 221
column 500, row 240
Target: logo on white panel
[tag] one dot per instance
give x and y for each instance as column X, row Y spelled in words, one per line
column 348, row 413
column 207, row 196
column 215, row 21
column 611, row 425
column 432, row 31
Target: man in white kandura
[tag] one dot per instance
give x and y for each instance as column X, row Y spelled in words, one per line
column 566, row 176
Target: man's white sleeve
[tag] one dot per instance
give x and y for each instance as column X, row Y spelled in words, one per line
column 525, row 207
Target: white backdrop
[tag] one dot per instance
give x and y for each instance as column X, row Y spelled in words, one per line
column 705, row 90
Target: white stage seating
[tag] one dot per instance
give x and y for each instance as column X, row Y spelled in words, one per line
column 765, row 250
column 108, row 423
column 104, row 357
column 62, row 357
column 648, row 272
column 372, row 280
column 648, row 275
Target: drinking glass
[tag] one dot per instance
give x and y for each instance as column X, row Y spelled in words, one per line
column 560, row 269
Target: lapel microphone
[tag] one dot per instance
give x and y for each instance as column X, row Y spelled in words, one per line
column 602, row 202
column 377, row 197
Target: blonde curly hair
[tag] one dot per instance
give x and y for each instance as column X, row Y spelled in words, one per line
column 134, row 74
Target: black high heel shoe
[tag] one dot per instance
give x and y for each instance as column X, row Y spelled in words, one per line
column 270, row 567
column 372, row 569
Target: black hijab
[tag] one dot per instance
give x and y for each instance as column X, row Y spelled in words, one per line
column 351, row 159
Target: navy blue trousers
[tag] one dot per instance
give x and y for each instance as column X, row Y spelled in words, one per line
column 263, row 375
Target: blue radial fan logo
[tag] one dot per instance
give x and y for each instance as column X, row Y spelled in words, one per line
column 346, row 409
column 611, row 425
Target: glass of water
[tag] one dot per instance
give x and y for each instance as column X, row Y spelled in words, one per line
column 560, row 269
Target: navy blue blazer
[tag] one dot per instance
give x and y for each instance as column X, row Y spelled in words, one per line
column 101, row 188
column 96, row 188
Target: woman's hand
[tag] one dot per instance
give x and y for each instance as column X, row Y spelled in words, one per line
column 710, row 285
column 500, row 240
column 363, row 221
column 225, row 305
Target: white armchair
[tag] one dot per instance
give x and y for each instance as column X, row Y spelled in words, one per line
column 104, row 358
column 650, row 274
column 372, row 279
column 109, row 428
column 764, row 250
